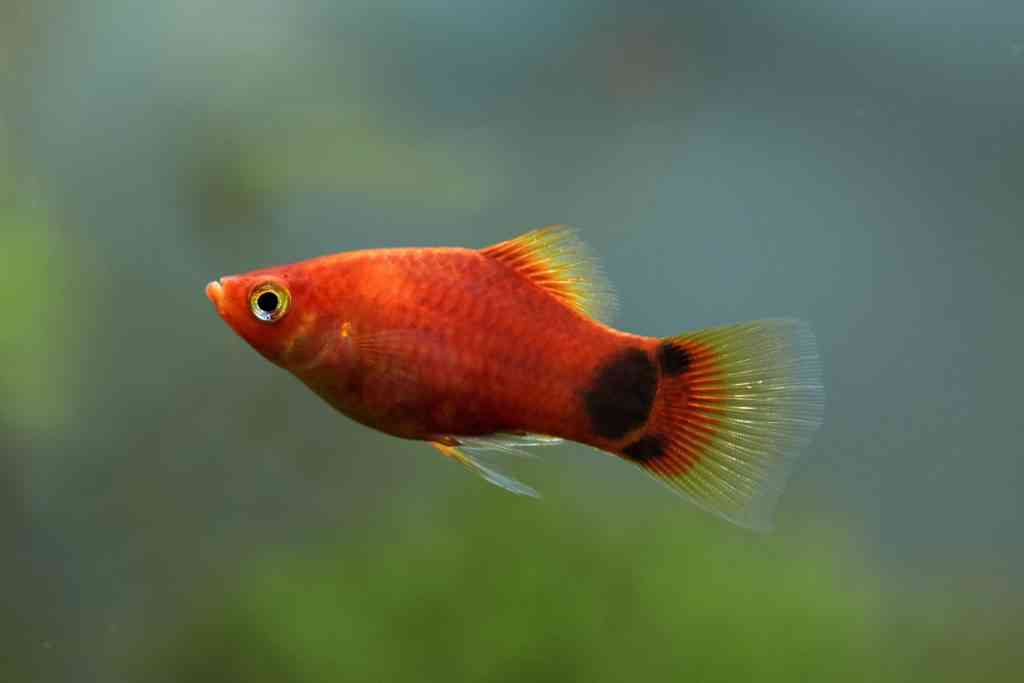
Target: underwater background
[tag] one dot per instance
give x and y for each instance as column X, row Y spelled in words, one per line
column 174, row 508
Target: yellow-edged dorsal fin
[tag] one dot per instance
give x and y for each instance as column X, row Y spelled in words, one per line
column 555, row 260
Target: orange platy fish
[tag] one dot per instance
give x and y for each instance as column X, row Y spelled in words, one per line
column 499, row 348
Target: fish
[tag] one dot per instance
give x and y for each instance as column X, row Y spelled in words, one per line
column 509, row 347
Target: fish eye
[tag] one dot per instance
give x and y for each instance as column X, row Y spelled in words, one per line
column 269, row 302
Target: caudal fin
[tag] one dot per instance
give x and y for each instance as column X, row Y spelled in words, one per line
column 735, row 406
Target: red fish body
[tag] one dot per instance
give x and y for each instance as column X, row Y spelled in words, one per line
column 446, row 344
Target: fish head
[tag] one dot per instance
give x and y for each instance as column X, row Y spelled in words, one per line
column 275, row 310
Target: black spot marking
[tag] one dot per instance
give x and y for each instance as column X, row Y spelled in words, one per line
column 620, row 397
column 674, row 360
column 645, row 449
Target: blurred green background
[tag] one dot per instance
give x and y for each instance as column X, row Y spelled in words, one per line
column 172, row 508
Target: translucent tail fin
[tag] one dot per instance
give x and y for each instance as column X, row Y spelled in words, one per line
column 735, row 406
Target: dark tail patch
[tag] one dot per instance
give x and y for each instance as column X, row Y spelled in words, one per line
column 674, row 360
column 621, row 394
column 645, row 449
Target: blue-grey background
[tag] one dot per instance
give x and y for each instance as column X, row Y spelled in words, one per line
column 172, row 507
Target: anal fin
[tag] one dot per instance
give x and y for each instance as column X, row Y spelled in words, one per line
column 509, row 444
column 449, row 448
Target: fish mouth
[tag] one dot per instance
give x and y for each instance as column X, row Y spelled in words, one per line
column 215, row 292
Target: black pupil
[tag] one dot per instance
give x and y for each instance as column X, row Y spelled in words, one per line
column 267, row 301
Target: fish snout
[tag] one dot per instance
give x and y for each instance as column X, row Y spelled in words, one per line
column 215, row 292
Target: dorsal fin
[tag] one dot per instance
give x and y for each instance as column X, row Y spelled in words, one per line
column 555, row 260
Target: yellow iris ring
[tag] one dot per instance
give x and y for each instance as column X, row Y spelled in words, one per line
column 263, row 312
